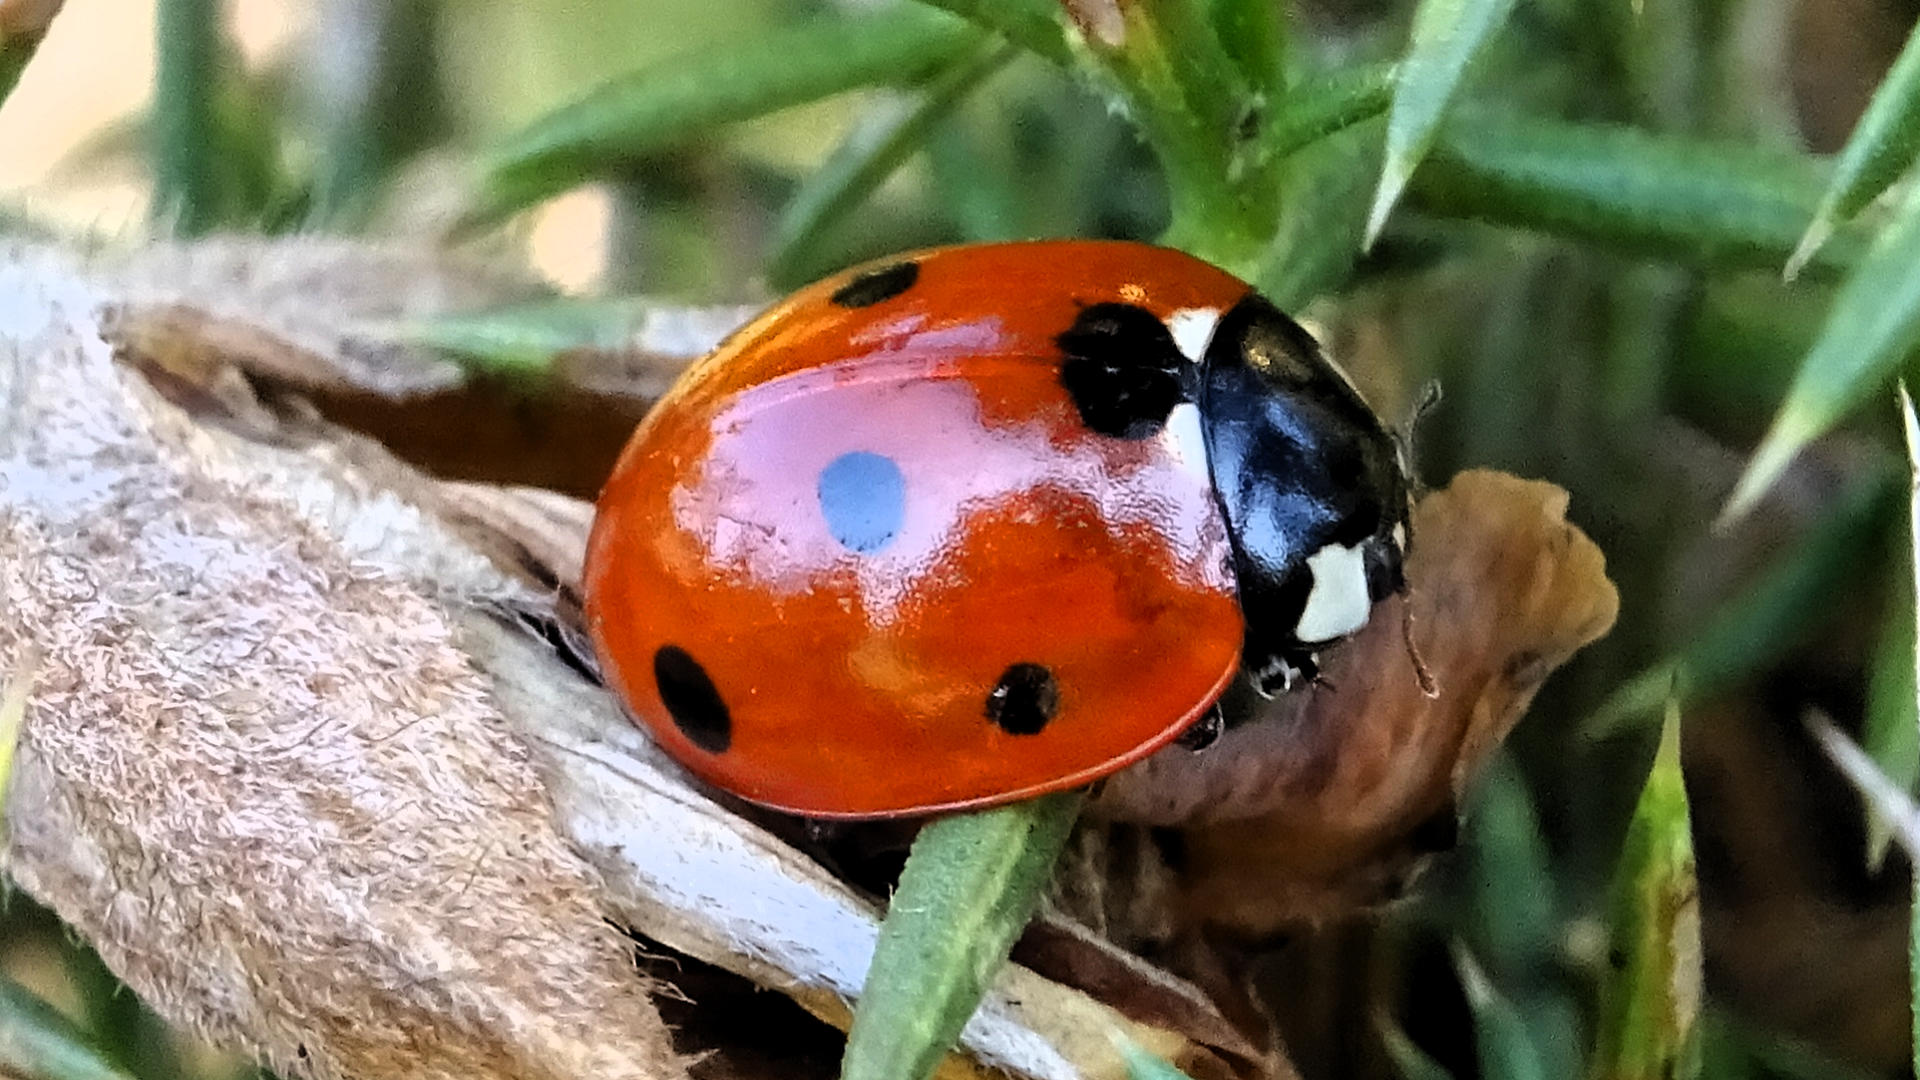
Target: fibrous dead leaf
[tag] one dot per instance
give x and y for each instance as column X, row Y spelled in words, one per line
column 258, row 773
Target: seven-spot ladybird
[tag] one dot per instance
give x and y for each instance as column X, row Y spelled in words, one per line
column 973, row 524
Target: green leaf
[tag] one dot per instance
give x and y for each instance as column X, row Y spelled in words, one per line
column 1144, row 1066
column 1446, row 36
column 879, row 144
column 971, row 883
column 390, row 102
column 1032, row 24
column 1883, row 144
column 1910, row 426
column 1650, row 999
column 13, row 712
column 186, row 135
column 1408, row 1059
column 1873, row 326
column 1516, row 924
column 1254, row 37
column 38, row 1043
column 1507, row 1051
column 1891, row 732
column 525, row 339
column 1193, row 104
column 1718, row 204
column 1770, row 617
column 688, row 96
column 1328, row 104
column 1318, row 239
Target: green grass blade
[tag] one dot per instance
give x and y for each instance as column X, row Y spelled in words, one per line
column 1883, row 144
column 971, row 883
column 1328, row 104
column 1723, row 205
column 1033, row 25
column 523, row 340
column 38, row 1043
column 1144, row 1066
column 13, row 712
column 1873, row 326
column 1318, row 240
column 1513, row 917
column 1254, row 36
column 21, row 30
column 1650, row 1000
column 1770, row 617
column 1411, row 1062
column 389, row 101
column 1889, row 734
column 1446, row 36
column 1506, row 1047
column 1910, row 426
column 186, row 124
column 878, row 146
column 688, row 96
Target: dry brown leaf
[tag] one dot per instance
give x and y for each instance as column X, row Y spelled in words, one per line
column 1316, row 808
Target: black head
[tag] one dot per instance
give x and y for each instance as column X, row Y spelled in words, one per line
column 1312, row 487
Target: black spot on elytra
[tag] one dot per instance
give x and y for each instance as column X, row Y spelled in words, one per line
column 1123, row 369
column 1024, row 700
column 876, row 285
column 692, row 700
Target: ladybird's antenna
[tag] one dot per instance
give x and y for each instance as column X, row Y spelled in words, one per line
column 1420, row 673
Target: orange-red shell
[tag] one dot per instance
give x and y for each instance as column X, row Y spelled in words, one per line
column 855, row 679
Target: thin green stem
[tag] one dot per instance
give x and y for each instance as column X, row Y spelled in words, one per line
column 186, row 174
column 1201, row 118
column 1030, row 24
column 1328, row 105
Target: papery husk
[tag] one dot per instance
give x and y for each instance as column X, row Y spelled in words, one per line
column 258, row 772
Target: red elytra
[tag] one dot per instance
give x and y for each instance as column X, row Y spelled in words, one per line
column 868, row 559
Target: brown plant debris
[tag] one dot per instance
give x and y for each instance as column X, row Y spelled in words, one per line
column 1323, row 803
column 258, row 772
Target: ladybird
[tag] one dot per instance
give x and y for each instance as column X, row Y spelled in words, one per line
column 973, row 524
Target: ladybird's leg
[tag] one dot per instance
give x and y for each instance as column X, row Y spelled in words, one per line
column 1284, row 671
column 1205, row 731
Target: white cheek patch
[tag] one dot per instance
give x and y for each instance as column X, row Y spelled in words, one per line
column 1185, row 442
column 1192, row 329
column 1338, row 603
